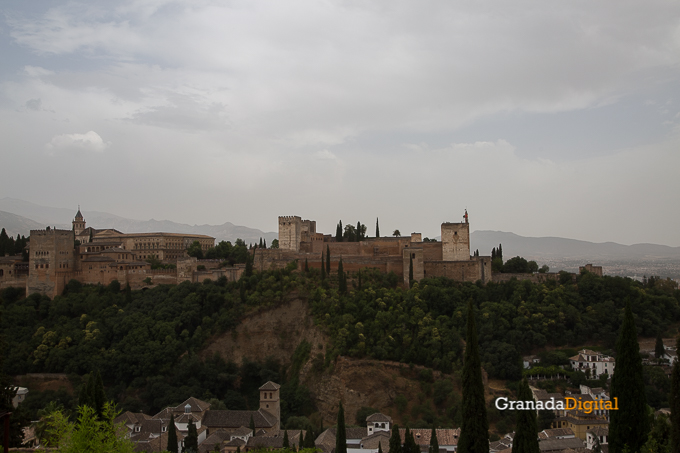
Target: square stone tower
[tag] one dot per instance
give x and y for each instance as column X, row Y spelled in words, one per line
column 52, row 261
column 290, row 232
column 455, row 241
column 293, row 230
column 270, row 401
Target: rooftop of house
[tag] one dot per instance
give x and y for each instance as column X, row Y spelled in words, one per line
column 599, row 431
column 269, row 385
column 378, row 418
column 549, row 445
column 555, row 432
column 235, row 419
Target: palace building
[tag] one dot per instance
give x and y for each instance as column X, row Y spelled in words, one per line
column 100, row 256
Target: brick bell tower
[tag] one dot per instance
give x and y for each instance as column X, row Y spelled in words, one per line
column 270, row 401
column 78, row 223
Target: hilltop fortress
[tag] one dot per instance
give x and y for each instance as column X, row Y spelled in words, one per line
column 299, row 240
column 100, row 256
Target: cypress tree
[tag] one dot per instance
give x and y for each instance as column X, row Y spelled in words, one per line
column 338, row 232
column 191, row 441
column 674, row 401
column 249, row 265
column 172, row 446
column 659, row 350
column 84, row 395
column 328, row 259
column 309, row 440
column 629, row 425
column 406, row 447
column 306, row 266
column 98, row 396
column 410, row 272
column 434, row 443
column 526, row 432
column 301, row 440
column 410, row 443
column 242, row 291
column 323, row 268
column 286, row 442
column 4, row 239
column 500, row 251
column 128, row 293
column 342, row 280
column 474, row 435
column 395, row 440
column 377, row 228
column 493, row 253
column 265, row 243
column 260, row 242
column 341, row 433
column 358, row 236
column 252, row 425
column 379, row 447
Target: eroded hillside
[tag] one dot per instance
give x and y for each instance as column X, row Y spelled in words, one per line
column 404, row 392
column 274, row 332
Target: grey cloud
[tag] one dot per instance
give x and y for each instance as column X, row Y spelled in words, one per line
column 34, row 104
column 360, row 97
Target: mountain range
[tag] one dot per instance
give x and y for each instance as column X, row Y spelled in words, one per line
column 19, row 217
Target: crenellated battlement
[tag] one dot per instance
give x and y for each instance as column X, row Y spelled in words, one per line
column 51, row 232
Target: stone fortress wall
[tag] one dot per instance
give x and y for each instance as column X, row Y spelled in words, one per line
column 299, row 240
column 109, row 255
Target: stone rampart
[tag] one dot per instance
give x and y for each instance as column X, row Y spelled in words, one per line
column 462, row 271
column 534, row 278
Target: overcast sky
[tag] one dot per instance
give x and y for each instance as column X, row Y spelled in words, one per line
column 544, row 118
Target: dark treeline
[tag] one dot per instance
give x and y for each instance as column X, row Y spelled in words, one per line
column 224, row 250
column 352, row 233
column 145, row 343
column 11, row 246
column 423, row 325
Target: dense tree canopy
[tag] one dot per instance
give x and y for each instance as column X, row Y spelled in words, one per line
column 145, row 343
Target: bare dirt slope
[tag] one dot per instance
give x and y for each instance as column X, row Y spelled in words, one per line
column 41, row 382
column 359, row 383
column 272, row 333
column 278, row 331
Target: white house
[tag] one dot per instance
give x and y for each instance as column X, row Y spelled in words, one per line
column 593, row 363
column 598, row 433
column 378, row 422
column 20, row 396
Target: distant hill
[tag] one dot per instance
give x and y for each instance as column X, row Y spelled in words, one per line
column 17, row 225
column 28, row 216
column 551, row 248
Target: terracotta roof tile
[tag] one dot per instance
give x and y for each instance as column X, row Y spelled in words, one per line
column 378, row 417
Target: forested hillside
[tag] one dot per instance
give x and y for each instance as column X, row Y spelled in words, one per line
column 146, row 343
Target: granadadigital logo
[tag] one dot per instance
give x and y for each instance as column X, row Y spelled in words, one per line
column 569, row 403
